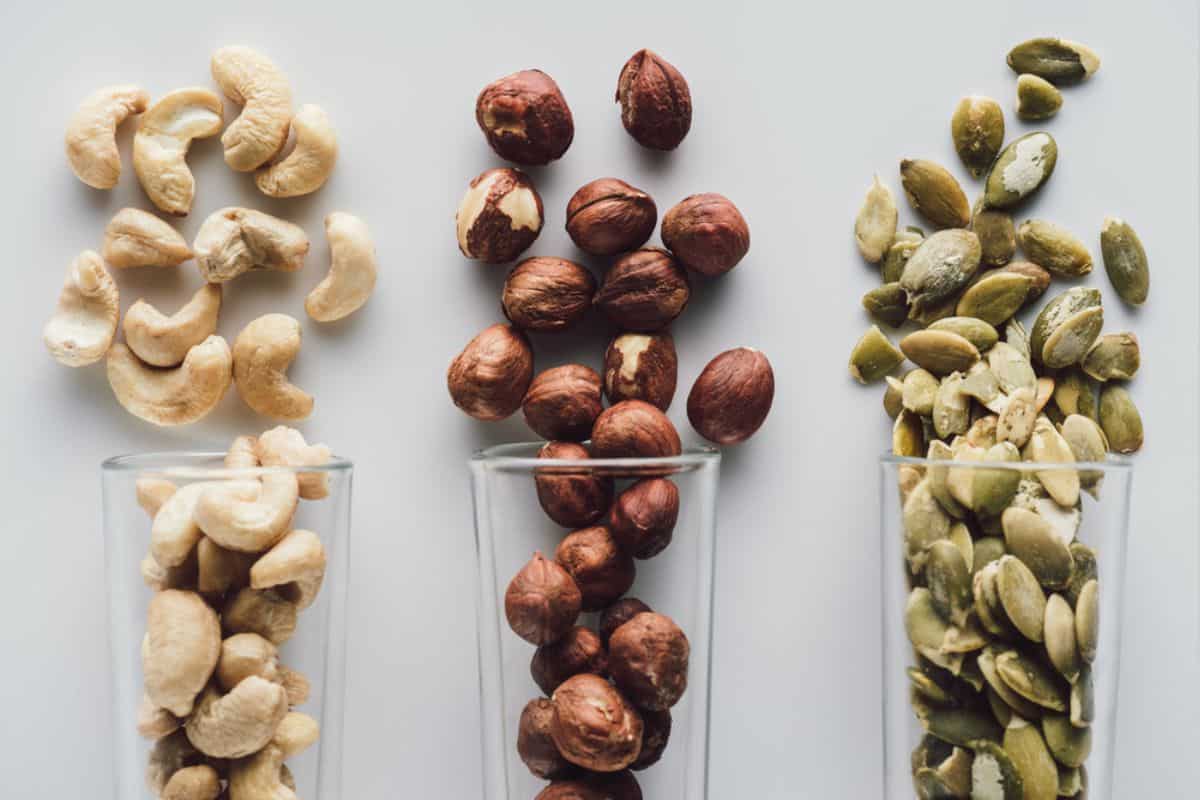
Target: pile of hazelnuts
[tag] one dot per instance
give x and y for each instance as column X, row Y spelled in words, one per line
column 608, row 691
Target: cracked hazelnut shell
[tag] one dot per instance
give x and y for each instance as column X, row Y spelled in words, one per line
column 634, row 429
column 707, row 233
column 525, row 118
column 594, row 726
column 547, row 294
column 600, row 568
column 641, row 366
column 489, row 378
column 562, row 403
column 535, row 745
column 617, row 615
column 542, row 601
column 732, row 396
column 642, row 519
column 571, row 499
column 578, row 652
column 499, row 217
column 656, row 732
column 656, row 104
column 644, row 291
column 648, row 660
column 608, row 216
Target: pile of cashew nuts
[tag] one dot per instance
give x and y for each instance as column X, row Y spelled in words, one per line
column 230, row 576
column 174, row 369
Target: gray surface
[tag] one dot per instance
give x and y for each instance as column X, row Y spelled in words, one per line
column 794, row 112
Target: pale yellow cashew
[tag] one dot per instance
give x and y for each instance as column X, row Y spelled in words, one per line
column 200, row 782
column 235, row 240
column 262, row 354
column 252, row 80
column 239, row 723
column 175, row 396
column 243, row 453
column 296, row 565
column 285, row 447
column 309, row 165
column 248, row 516
column 180, row 651
column 219, row 570
column 163, row 341
column 264, row 613
column 352, row 272
column 136, row 238
column 92, row 133
column 153, row 722
column 161, row 144
column 152, row 493
column 264, row 776
column 85, row 321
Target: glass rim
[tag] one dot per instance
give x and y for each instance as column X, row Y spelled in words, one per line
column 175, row 463
column 523, row 456
column 1113, row 464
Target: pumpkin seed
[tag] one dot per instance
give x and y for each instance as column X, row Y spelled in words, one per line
column 920, row 387
column 964, row 639
column 1039, row 279
column 1017, row 337
column 987, row 601
column 1087, row 620
column 1125, row 261
column 939, row 268
column 930, row 786
column 993, row 489
column 1084, row 559
column 1114, row 357
column 940, row 352
column 1013, row 701
column 1027, row 749
column 1011, row 368
column 1047, row 446
column 975, row 331
column 1087, row 444
column 930, row 752
column 937, row 475
column 962, row 727
column 925, row 626
column 970, row 675
column 925, row 685
column 908, row 435
column 924, row 523
column 1061, row 645
column 951, row 408
column 1071, row 340
column 981, row 383
column 1016, row 421
column 875, row 226
column 1083, row 699
column 1000, row 710
column 987, row 550
column 1054, row 248
column 927, row 316
column 997, row 234
column 1031, row 539
column 897, row 256
column 1037, row 98
column 1060, row 61
column 994, row 298
column 955, row 773
column 961, row 480
column 1069, row 745
column 960, row 537
column 993, row 774
column 982, row 432
column 907, row 476
column 873, row 356
column 1069, row 783
column 1075, row 393
column 1020, row 170
column 977, row 130
column 935, row 193
column 1059, row 312
column 887, row 303
column 893, row 396
column 1120, row 420
column 1031, row 495
column 1043, row 392
column 1031, row 680
column 1021, row 597
column 949, row 581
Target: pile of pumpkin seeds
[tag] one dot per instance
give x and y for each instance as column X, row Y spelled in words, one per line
column 1003, row 606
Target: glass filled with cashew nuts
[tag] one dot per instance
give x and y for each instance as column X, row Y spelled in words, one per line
column 227, row 576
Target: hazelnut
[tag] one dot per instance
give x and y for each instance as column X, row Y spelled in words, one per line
column 595, row 786
column 499, row 216
column 535, row 746
column 578, row 652
column 706, row 233
column 547, row 294
column 648, row 660
column 732, row 396
column 618, row 614
column 643, row 518
column 641, row 366
column 594, row 726
column 542, row 601
column 644, row 290
column 602, row 571
column 656, row 105
column 571, row 499
column 525, row 118
column 656, row 731
column 634, row 429
column 563, row 402
column 608, row 216
column 489, row 378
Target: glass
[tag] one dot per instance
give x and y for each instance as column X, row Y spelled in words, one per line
column 1103, row 526
column 316, row 650
column 510, row 526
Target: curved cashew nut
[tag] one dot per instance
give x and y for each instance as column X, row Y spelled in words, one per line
column 169, row 755
column 82, row 328
column 92, row 133
column 161, row 144
column 236, row 240
column 285, row 447
column 311, row 161
column 296, row 565
column 136, row 238
column 248, row 516
column 262, row 353
column 174, row 532
column 252, row 80
column 152, row 493
column 163, row 341
column 200, row 782
column 264, row 775
column 175, row 396
column 246, row 654
column 265, row 613
column 158, row 577
column 352, row 271
column 180, row 652
column 153, row 722
column 239, row 723
column 219, row 570
column 243, row 453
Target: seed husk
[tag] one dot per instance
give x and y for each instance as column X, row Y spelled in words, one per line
column 1087, row 620
column 1120, row 420
column 1059, row 61
column 997, row 234
column 962, row 727
column 940, row 352
column 1083, row 699
column 873, row 356
column 1017, row 421
column 935, row 193
column 977, row 130
column 1039, row 279
column 1037, row 98
column 995, row 297
column 987, row 550
column 1054, row 248
column 1028, row 678
column 976, row 331
column 1075, row 393
column 1069, row 745
column 924, row 523
column 920, row 389
column 939, row 268
column 1125, row 261
column 1114, row 357
column 908, row 435
column 1085, row 570
column 949, row 581
column 1021, row 597
column 993, row 774
column 951, row 408
column 1031, row 539
column 1020, row 170
column 1030, row 755
column 893, row 396
column 1057, row 313
column 1061, row 644
column 897, row 256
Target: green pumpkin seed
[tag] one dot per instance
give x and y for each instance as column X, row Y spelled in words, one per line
column 1016, row 337
column 976, row 331
column 1000, row 710
column 937, row 476
column 875, row 226
column 1071, row 340
column 887, row 303
column 930, row 786
column 994, row 298
column 1075, row 393
column 925, row 626
column 1114, row 357
column 981, row 384
column 1020, row 170
column 1037, row 98
column 1039, row 279
column 873, row 356
column 1069, row 782
column 1011, row 368
column 1059, row 61
column 1085, row 570
column 951, row 408
column 925, row 685
column 940, row 352
column 967, row 638
column 1083, row 700
column 962, row 727
column 1021, row 597
column 935, row 193
column 1017, row 420
column 939, row 268
column 927, row 316
column 1061, row 645
column 908, row 435
column 1059, row 312
column 920, row 388
column 1027, row 749
column 971, row 676
column 1011, row 700
column 1125, row 261
column 961, row 480
column 1120, row 420
column 987, row 550
column 1054, row 248
column 1031, row 495
column 960, row 537
column 1047, row 446
column 893, row 396
column 1031, row 539
column 1087, row 620
column 930, row 752
column 1044, row 392
column 1031, row 680
column 977, row 130
column 907, row 478
column 993, row 774
column 897, row 256
column 987, row 601
column 924, row 523
column 1069, row 745
column 993, row 489
column 997, row 234
column 949, row 581
column 955, row 773
column 1087, row 444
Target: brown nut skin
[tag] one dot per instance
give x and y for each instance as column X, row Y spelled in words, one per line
column 634, row 429
column 608, row 216
column 732, row 397
column 656, row 104
column 500, row 216
column 595, row 786
column 547, row 294
column 707, row 233
column 489, row 378
column 578, row 652
column 572, row 499
column 644, row 291
column 600, row 568
column 594, row 726
column 534, row 745
column 525, row 118
column 618, row 614
column 648, row 660
column 563, row 402
column 542, row 601
column 656, row 732
column 641, row 366
column 642, row 520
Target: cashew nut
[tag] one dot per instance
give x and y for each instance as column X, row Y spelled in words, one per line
column 352, row 272
column 220, row 570
column 82, row 328
column 246, row 654
column 248, row 516
column 265, row 613
column 92, row 133
column 169, row 755
column 161, row 144
column 158, row 577
column 252, row 80
column 262, row 354
column 296, row 565
column 285, row 447
column 180, row 651
column 174, row 533
column 172, row 396
column 243, row 453
column 153, row 722
column 152, row 493
column 163, row 341
column 309, row 165
column 193, row 783
column 239, row 723
column 136, row 238
column 264, row 776
column 295, row 684
column 235, row 240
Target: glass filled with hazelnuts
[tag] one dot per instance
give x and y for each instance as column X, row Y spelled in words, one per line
column 595, row 615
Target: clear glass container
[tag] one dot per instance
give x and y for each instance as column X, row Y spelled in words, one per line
column 919, row 587
column 510, row 525
column 316, row 650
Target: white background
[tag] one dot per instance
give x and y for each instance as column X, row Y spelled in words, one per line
column 794, row 110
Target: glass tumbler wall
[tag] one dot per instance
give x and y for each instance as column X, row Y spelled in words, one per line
column 511, row 526
column 248, row 640
column 1002, row 613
